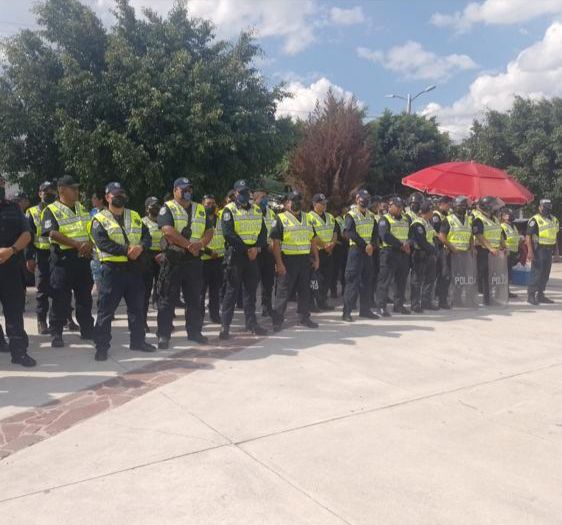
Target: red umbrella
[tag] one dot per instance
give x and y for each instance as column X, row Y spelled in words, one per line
column 471, row 179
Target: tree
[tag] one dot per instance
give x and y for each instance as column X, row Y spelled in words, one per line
column 334, row 154
column 144, row 102
column 526, row 141
column 403, row 144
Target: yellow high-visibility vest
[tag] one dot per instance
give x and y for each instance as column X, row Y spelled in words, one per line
column 40, row 241
column 297, row 235
column 247, row 222
column 269, row 217
column 511, row 237
column 132, row 224
column 429, row 230
column 400, row 228
column 324, row 228
column 155, row 233
column 364, row 225
column 73, row 225
column 217, row 242
column 492, row 229
column 181, row 218
column 548, row 229
column 459, row 233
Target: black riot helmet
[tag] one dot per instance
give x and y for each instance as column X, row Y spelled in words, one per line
column 487, row 204
column 415, row 201
column 460, row 204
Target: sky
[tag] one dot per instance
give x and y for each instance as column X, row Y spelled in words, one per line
column 478, row 54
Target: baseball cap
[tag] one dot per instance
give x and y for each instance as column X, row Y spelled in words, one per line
column 183, row 183
column 67, row 181
column 293, row 196
column 363, row 194
column 151, row 201
column 241, row 185
column 114, row 187
column 397, row 201
column 47, row 185
column 546, row 202
column 319, row 197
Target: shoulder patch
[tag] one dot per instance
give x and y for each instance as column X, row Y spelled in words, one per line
column 226, row 215
column 48, row 223
column 163, row 210
column 420, row 229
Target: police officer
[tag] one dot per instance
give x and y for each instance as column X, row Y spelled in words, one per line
column 442, row 268
column 293, row 246
column 14, row 237
column 339, row 256
column 395, row 257
column 487, row 231
column 187, row 231
column 38, row 253
column 65, row 222
column 153, row 255
column 213, row 259
column 120, row 238
column 266, row 262
column 325, row 229
column 375, row 207
column 359, row 228
column 510, row 237
column 541, row 238
column 421, row 237
column 415, row 201
column 245, row 235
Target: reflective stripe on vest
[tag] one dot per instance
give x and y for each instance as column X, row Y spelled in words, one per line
column 323, row 228
column 40, row 242
column 400, row 228
column 492, row 229
column 217, row 242
column 247, row 223
column 413, row 215
column 548, row 229
column 181, row 218
column 429, row 230
column 72, row 225
column 297, row 236
column 511, row 237
column 269, row 217
column 459, row 233
column 364, row 225
column 132, row 224
column 155, row 233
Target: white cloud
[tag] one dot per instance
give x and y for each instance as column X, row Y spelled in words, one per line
column 535, row 73
column 305, row 97
column 499, row 12
column 411, row 60
column 347, row 17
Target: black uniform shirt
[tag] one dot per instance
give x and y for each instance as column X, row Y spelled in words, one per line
column 386, row 236
column 350, row 232
column 417, row 236
column 105, row 244
column 477, row 227
column 232, row 239
column 532, row 227
column 12, row 223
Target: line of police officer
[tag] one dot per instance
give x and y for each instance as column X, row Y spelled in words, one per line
column 186, row 247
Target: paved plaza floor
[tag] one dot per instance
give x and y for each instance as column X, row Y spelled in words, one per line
column 441, row 418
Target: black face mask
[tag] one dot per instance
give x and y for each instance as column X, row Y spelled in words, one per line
column 119, row 201
column 153, row 210
column 296, row 206
column 363, row 203
column 186, row 195
column 545, row 211
column 243, row 199
column 2, row 193
column 49, row 198
column 210, row 210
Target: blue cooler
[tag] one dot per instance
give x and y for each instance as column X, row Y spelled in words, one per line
column 521, row 276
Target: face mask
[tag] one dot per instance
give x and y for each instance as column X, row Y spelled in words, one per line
column 545, row 212
column 243, row 198
column 210, row 210
column 296, row 207
column 119, row 201
column 263, row 204
column 363, row 203
column 2, row 193
column 186, row 195
column 153, row 210
column 49, row 198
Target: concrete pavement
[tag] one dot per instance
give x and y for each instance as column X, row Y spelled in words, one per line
column 450, row 417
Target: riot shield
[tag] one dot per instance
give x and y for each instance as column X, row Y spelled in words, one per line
column 463, row 291
column 498, row 279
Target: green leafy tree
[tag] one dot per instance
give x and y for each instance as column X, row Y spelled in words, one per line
column 403, row 144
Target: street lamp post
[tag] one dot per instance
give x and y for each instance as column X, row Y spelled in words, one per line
column 409, row 98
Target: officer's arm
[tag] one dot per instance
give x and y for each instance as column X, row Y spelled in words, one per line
column 146, row 239
column 30, row 251
column 531, row 230
column 25, row 236
column 209, row 231
column 230, row 236
column 386, row 236
column 104, row 243
column 478, row 231
column 262, row 237
column 421, row 238
column 350, row 232
column 314, row 251
column 375, row 235
column 276, row 235
column 443, row 233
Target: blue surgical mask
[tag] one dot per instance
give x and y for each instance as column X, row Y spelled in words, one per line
column 263, row 204
column 243, row 198
column 186, row 195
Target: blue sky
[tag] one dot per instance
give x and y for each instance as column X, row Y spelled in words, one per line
column 479, row 54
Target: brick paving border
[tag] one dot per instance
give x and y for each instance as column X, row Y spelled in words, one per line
column 32, row 426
